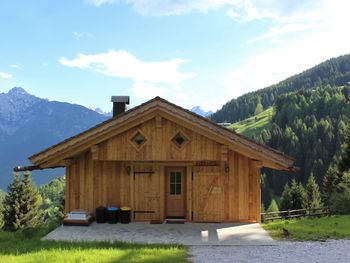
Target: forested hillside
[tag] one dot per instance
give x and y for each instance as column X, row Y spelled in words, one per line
column 333, row 72
column 308, row 125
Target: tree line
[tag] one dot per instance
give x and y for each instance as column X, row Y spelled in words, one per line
column 335, row 188
column 333, row 72
column 310, row 126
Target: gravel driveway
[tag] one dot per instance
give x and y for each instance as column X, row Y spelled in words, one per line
column 285, row 251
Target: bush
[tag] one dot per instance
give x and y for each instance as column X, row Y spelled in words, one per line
column 340, row 203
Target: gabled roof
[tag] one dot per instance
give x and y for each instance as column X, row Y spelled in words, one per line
column 83, row 141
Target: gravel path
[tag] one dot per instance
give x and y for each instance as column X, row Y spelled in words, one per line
column 285, row 251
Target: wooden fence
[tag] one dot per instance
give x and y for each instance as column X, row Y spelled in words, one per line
column 269, row 216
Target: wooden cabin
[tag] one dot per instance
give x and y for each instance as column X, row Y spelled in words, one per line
column 163, row 162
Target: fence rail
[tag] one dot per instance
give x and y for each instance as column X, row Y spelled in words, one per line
column 270, row 216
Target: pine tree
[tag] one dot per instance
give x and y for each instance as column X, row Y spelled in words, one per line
column 344, row 162
column 2, row 197
column 259, row 109
column 293, row 196
column 31, row 201
column 298, row 195
column 22, row 204
column 12, row 204
column 313, row 195
column 286, row 198
column 273, row 207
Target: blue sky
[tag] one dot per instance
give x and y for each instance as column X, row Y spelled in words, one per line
column 194, row 52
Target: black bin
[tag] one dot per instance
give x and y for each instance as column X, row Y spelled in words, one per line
column 125, row 215
column 112, row 215
column 101, row 214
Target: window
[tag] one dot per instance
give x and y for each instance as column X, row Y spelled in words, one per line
column 179, row 139
column 138, row 139
column 175, row 183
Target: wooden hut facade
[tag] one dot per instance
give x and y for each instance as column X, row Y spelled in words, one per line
column 164, row 162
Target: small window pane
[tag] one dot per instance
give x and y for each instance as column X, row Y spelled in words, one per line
column 179, row 139
column 172, row 177
column 138, row 139
column 172, row 189
column 178, row 189
column 178, row 177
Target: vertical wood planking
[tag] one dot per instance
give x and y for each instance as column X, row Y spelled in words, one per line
column 106, row 182
column 67, row 190
column 131, row 194
column 161, row 170
column 189, row 190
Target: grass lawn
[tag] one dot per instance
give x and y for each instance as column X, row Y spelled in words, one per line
column 27, row 247
column 254, row 124
column 332, row 227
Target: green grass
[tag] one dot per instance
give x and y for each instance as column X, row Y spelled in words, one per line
column 254, row 124
column 332, row 227
column 27, row 247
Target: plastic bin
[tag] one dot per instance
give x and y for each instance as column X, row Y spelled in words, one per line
column 101, row 214
column 112, row 215
column 125, row 215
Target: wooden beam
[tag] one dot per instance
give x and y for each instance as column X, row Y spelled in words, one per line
column 224, row 153
column 158, row 121
column 94, row 152
column 132, row 182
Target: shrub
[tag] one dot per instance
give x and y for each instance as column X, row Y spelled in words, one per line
column 340, row 203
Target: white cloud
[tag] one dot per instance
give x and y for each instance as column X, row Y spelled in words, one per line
column 5, row 75
column 100, row 2
column 80, row 35
column 242, row 10
column 15, row 66
column 149, row 79
column 119, row 63
column 282, row 11
column 277, row 31
column 165, row 8
column 293, row 57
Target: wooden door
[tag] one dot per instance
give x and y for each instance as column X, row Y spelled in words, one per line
column 146, row 192
column 209, row 194
column 175, row 192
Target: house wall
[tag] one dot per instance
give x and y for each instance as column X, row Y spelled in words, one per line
column 221, row 185
column 213, row 195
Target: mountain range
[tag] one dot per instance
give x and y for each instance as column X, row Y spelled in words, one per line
column 29, row 124
column 198, row 110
